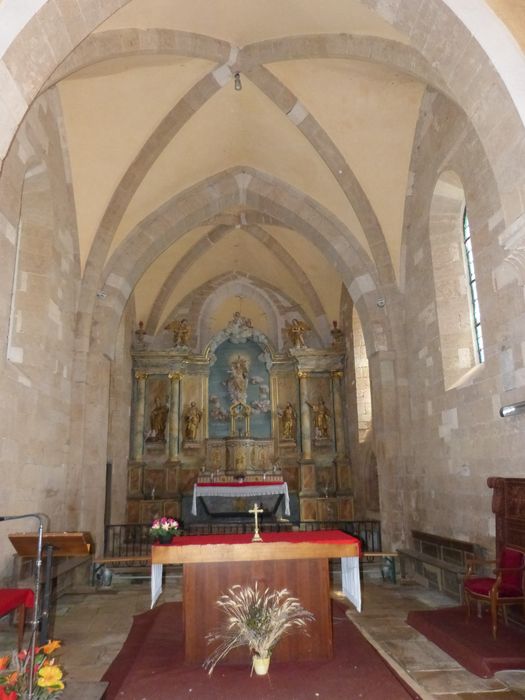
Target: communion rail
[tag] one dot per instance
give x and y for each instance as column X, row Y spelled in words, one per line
column 131, row 541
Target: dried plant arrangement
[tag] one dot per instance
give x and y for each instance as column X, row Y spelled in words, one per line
column 257, row 619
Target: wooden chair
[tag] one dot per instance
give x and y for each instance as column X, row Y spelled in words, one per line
column 507, row 587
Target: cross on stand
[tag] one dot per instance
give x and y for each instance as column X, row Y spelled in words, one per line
column 256, row 510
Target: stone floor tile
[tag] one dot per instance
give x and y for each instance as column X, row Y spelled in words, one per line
column 487, row 695
column 456, row 680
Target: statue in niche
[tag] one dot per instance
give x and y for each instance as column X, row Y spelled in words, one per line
column 158, row 418
column 181, row 332
column 237, row 381
column 288, row 422
column 296, row 330
column 337, row 335
column 321, row 416
column 192, row 420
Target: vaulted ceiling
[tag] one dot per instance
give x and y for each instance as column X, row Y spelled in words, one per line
column 319, row 141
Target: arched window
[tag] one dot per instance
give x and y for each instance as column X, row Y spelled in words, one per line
column 471, row 279
column 457, row 307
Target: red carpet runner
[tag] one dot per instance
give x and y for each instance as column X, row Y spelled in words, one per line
column 471, row 643
column 150, row 666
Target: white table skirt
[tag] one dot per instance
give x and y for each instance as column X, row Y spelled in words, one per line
column 242, row 491
column 350, row 580
column 351, row 583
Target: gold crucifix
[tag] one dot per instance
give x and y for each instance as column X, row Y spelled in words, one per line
column 256, row 510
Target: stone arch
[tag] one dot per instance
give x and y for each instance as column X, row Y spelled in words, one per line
column 274, row 301
column 231, row 188
column 216, row 234
column 452, row 145
column 499, row 80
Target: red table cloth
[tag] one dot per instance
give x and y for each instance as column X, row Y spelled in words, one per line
column 12, row 598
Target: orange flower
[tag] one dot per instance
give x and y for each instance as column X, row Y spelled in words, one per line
column 4, row 662
column 12, row 678
column 51, row 646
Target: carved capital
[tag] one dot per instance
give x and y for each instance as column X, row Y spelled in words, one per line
column 301, row 374
column 175, row 376
column 141, row 376
column 337, row 373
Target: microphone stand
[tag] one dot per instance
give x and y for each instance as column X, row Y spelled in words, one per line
column 36, row 610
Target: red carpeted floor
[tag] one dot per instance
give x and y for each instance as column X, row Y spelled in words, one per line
column 151, row 666
column 471, row 643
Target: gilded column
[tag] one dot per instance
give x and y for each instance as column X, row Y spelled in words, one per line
column 337, row 377
column 173, row 453
column 138, row 421
column 307, row 474
column 306, row 430
column 342, row 464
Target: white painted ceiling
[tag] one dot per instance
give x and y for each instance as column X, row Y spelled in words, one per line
column 366, row 110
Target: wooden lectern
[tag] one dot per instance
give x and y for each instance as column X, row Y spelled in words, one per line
column 54, row 544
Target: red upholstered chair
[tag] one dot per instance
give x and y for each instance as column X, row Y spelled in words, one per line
column 17, row 599
column 507, row 587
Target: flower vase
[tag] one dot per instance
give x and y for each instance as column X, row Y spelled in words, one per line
column 165, row 538
column 260, row 665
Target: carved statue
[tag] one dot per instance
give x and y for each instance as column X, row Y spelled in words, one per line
column 181, row 332
column 140, row 333
column 337, row 334
column 296, row 330
column 158, row 419
column 321, row 416
column 237, row 382
column 192, row 419
column 288, row 419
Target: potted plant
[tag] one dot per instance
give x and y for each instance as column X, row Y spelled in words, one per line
column 163, row 530
column 256, row 619
column 47, row 679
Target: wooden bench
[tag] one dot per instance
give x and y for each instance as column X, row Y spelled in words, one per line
column 127, row 564
column 388, row 571
column 437, row 562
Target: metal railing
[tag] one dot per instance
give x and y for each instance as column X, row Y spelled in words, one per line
column 132, row 540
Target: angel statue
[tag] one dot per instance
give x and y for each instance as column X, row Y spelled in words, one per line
column 181, row 332
column 296, row 330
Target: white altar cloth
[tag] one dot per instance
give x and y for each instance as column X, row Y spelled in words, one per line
column 350, row 581
column 242, row 491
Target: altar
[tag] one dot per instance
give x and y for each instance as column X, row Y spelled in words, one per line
column 297, row 561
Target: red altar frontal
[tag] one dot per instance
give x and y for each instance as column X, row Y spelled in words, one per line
column 297, row 561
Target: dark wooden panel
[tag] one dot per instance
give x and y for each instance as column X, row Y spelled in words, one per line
column 306, row 579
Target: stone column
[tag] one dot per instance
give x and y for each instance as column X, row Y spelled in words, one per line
column 173, row 449
column 138, row 420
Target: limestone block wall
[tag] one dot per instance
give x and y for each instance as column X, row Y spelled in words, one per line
column 457, row 438
column 39, row 291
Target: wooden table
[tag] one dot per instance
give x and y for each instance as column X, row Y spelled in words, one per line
column 297, row 561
